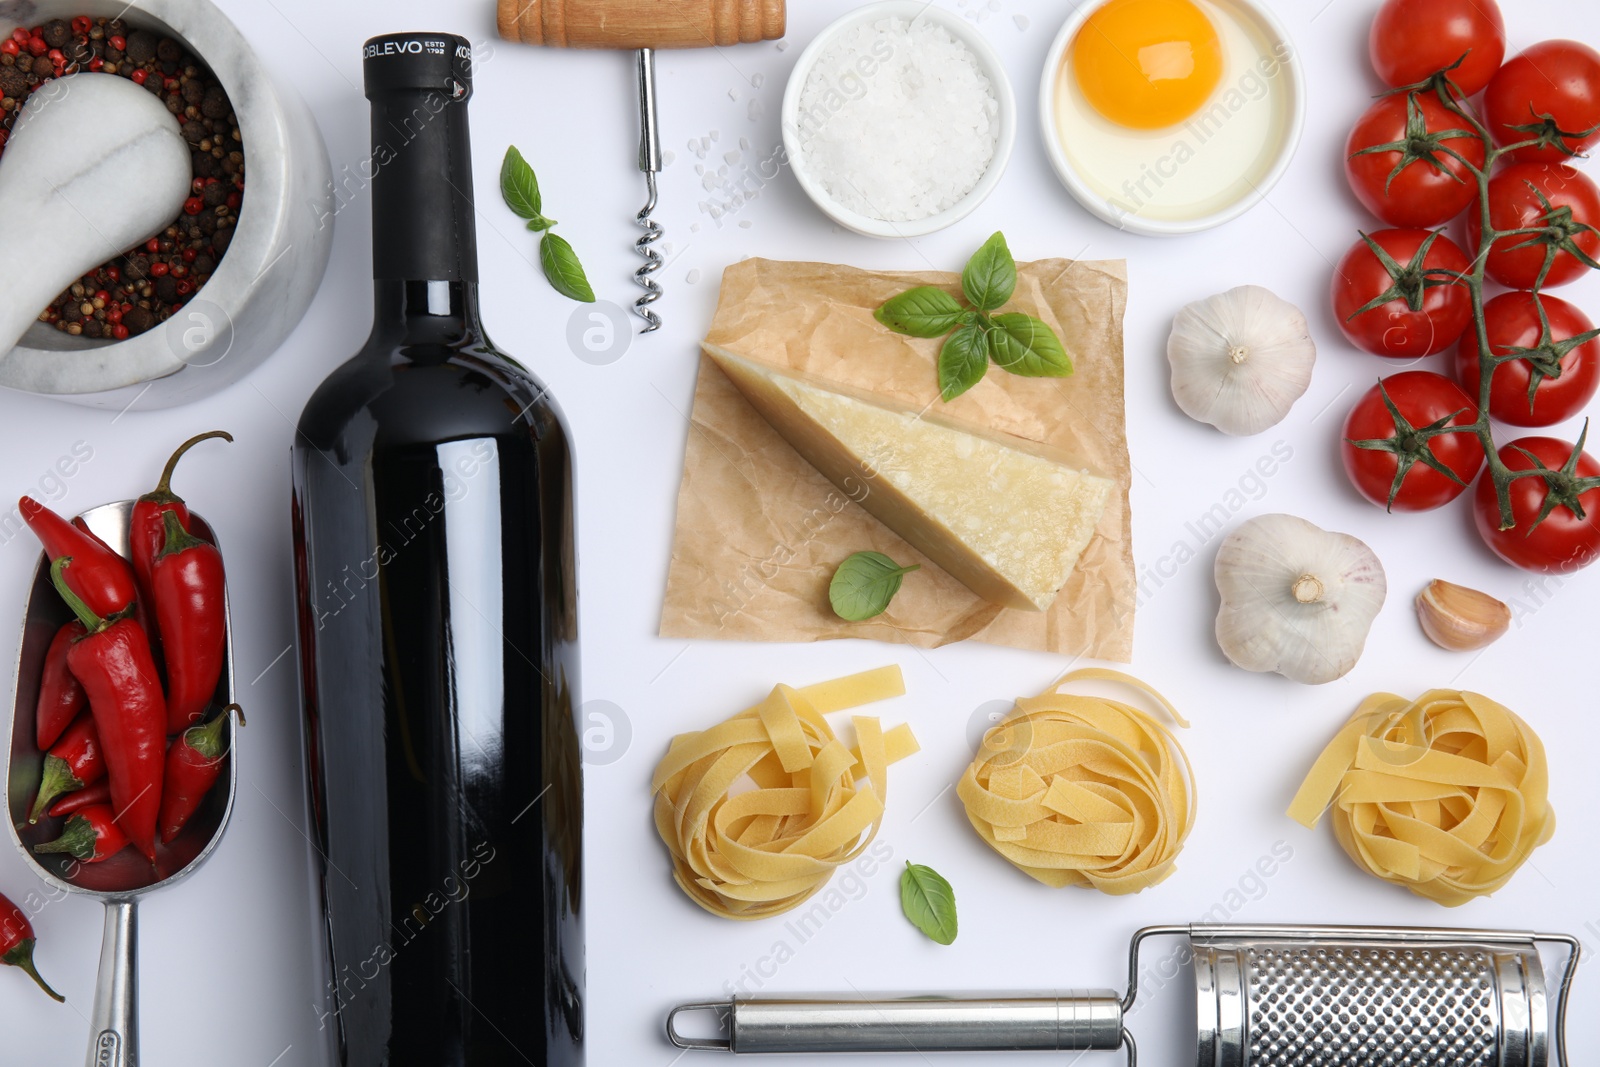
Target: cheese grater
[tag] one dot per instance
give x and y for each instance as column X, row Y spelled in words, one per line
column 1266, row 996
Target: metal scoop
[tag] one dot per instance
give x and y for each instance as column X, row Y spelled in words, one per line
column 119, row 881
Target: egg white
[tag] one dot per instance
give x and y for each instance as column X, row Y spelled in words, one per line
column 1203, row 164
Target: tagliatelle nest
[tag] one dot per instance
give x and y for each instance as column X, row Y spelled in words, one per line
column 748, row 853
column 1446, row 795
column 1080, row 790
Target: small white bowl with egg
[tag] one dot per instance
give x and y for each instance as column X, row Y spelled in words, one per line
column 885, row 178
column 1200, row 155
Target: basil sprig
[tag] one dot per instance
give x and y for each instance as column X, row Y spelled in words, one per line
column 1013, row 341
column 928, row 902
column 864, row 584
column 519, row 187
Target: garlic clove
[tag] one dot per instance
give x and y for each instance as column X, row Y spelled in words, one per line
column 1296, row 599
column 1459, row 619
column 1240, row 359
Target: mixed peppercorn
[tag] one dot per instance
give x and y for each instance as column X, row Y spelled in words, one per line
column 143, row 287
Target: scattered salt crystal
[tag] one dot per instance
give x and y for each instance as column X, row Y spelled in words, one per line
column 693, row 276
column 722, row 171
column 700, row 169
column 744, row 224
column 715, row 135
column 1021, row 20
column 782, row 45
column 705, row 142
column 733, row 94
column 994, row 5
column 744, row 144
column 897, row 120
column 694, row 227
column 731, row 157
column 757, row 80
column 665, row 248
column 667, row 157
column 757, row 111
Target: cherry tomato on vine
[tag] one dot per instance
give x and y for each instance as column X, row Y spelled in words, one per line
column 1559, row 375
column 1413, row 39
column 1422, row 314
column 1396, row 163
column 1563, row 541
column 1549, row 195
column 1553, row 87
column 1393, row 447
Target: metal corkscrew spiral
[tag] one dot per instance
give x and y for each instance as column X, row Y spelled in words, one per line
column 650, row 164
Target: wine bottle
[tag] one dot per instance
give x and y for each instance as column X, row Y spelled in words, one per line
column 435, row 581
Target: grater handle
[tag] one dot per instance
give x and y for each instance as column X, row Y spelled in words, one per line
column 1076, row 1020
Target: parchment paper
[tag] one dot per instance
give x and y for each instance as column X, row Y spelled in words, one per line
column 759, row 531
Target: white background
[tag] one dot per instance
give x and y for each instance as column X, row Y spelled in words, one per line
column 228, row 973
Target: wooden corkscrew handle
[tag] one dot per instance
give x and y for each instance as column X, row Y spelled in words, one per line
column 626, row 24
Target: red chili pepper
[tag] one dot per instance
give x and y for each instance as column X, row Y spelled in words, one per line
column 60, row 695
column 91, row 835
column 74, row 762
column 193, row 763
column 190, row 597
column 142, row 606
column 98, row 793
column 100, row 577
column 114, row 665
column 16, row 944
column 146, row 533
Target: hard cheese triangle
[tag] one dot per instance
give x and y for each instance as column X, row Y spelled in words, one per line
column 1006, row 517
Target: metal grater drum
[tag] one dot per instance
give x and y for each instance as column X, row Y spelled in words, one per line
column 1268, row 996
column 1309, row 1001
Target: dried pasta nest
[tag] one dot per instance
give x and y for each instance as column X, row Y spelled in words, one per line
column 760, row 811
column 1081, row 790
column 1446, row 795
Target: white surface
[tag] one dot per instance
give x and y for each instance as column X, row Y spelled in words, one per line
column 227, row 965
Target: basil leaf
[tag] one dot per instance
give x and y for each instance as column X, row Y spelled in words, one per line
column 991, row 275
column 518, row 186
column 540, row 223
column 1023, row 345
column 921, row 312
column 962, row 361
column 561, row 266
column 928, row 902
column 864, row 584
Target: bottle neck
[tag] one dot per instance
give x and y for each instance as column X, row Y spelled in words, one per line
column 436, row 312
column 422, row 219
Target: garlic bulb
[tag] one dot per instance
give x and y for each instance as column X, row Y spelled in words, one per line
column 1296, row 599
column 1240, row 359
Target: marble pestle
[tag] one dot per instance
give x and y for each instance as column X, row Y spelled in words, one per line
column 94, row 166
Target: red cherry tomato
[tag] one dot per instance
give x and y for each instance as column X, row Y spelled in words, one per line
column 1559, row 79
column 1512, row 320
column 1514, row 204
column 1419, row 194
column 1426, row 313
column 1412, row 39
column 1563, row 542
column 1422, row 398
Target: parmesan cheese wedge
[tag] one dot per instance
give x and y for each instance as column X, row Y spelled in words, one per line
column 1006, row 517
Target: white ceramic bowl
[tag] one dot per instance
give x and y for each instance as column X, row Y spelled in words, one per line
column 962, row 30
column 1256, row 16
column 272, row 267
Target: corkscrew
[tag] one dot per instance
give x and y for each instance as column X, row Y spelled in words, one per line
column 650, row 163
column 643, row 26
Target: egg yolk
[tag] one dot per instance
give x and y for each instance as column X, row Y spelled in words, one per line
column 1147, row 64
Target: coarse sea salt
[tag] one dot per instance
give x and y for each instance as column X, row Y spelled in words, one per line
column 897, row 120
